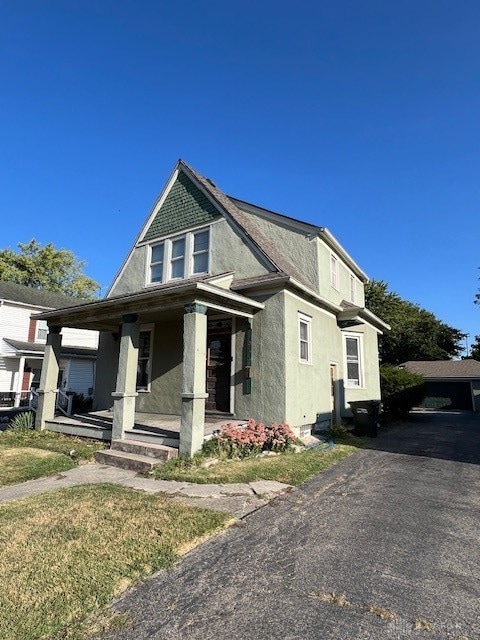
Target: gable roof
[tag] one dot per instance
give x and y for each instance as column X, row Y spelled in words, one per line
column 36, row 297
column 202, row 201
column 468, row 368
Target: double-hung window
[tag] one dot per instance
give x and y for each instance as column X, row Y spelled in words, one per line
column 353, row 360
column 305, row 338
column 180, row 257
column 177, row 259
column 156, row 262
column 353, row 288
column 334, row 271
column 42, row 330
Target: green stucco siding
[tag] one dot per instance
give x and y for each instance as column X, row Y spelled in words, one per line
column 294, row 245
column 325, row 287
column 184, row 207
column 231, row 252
column 106, row 371
column 165, row 395
column 267, row 399
column 308, row 384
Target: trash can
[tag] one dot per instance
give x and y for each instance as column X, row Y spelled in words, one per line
column 365, row 417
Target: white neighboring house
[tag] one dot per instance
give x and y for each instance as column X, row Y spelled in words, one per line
column 22, row 345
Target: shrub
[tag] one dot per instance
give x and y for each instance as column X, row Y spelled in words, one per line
column 401, row 390
column 337, row 431
column 81, row 403
column 24, row 421
column 239, row 442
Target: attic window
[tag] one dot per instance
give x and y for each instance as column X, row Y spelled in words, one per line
column 180, row 256
column 353, row 289
column 334, row 271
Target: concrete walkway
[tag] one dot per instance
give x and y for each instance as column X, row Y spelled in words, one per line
column 237, row 499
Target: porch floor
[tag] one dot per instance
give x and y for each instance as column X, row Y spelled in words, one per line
column 153, row 424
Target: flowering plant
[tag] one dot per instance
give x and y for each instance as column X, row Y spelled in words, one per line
column 255, row 437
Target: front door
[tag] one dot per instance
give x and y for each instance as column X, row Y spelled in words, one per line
column 219, row 359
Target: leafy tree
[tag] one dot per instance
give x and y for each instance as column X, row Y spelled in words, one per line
column 47, row 268
column 416, row 334
column 475, row 349
column 401, row 389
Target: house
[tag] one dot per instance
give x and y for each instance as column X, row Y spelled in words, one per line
column 22, row 345
column 223, row 308
column 449, row 384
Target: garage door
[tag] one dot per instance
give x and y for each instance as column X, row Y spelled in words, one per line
column 448, row 395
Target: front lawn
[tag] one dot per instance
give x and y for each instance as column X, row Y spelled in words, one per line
column 26, row 455
column 67, row 554
column 290, row 468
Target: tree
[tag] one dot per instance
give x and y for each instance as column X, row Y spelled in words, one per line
column 475, row 349
column 401, row 389
column 416, row 334
column 47, row 268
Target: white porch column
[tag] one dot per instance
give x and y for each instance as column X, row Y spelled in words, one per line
column 18, row 391
column 125, row 393
column 192, row 426
column 47, row 392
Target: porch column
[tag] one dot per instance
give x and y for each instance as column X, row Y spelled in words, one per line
column 125, row 393
column 47, row 392
column 192, row 425
column 18, row 391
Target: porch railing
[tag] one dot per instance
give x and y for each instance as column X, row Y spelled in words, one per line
column 64, row 402
column 14, row 399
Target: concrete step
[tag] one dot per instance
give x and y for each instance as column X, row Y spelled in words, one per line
column 139, row 435
column 148, row 449
column 124, row 460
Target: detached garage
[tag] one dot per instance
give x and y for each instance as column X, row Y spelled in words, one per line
column 449, row 384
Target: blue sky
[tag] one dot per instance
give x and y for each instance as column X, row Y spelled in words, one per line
column 363, row 117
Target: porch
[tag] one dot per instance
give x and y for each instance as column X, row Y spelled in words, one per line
column 167, row 359
column 152, row 428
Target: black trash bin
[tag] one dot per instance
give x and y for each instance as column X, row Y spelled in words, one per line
column 365, row 417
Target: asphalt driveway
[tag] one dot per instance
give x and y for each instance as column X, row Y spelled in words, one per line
column 384, row 545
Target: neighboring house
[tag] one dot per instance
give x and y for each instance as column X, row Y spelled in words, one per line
column 224, row 307
column 449, row 384
column 22, row 345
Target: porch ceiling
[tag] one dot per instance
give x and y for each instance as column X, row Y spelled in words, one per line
column 107, row 314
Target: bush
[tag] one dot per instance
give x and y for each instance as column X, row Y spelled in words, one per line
column 81, row 403
column 24, row 421
column 239, row 442
column 401, row 390
column 337, row 431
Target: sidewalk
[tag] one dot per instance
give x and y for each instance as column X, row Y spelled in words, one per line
column 237, row 499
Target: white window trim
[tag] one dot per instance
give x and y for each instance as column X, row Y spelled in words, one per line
column 353, row 289
column 334, row 272
column 351, row 384
column 307, row 320
column 148, row 327
column 41, row 325
column 188, row 256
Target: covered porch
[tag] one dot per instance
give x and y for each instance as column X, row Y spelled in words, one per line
column 161, row 370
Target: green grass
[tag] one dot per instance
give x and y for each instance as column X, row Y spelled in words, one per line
column 26, row 455
column 290, row 468
column 67, row 554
